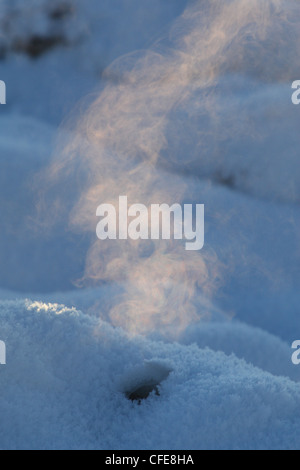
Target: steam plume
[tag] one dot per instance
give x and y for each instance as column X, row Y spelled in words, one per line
column 158, row 118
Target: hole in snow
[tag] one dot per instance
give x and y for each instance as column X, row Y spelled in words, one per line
column 143, row 392
column 143, row 381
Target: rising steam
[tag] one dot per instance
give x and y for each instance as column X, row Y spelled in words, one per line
column 159, row 116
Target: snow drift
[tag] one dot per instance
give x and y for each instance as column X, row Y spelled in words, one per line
column 67, row 390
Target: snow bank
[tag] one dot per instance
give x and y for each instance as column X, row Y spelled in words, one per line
column 59, row 49
column 255, row 346
column 35, row 27
column 26, row 146
column 261, row 159
column 66, row 391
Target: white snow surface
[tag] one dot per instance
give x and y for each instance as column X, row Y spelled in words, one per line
column 232, row 384
column 64, row 382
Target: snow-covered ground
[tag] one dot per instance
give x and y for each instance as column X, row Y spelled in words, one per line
column 201, row 113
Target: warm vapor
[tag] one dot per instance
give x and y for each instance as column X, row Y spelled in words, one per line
column 163, row 116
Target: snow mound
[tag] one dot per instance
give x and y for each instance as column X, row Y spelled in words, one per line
column 64, row 391
column 261, row 159
column 36, row 27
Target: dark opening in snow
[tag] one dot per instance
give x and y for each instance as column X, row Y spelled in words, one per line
column 143, row 392
column 144, row 381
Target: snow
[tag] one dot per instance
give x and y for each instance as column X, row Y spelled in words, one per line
column 212, row 331
column 67, row 391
